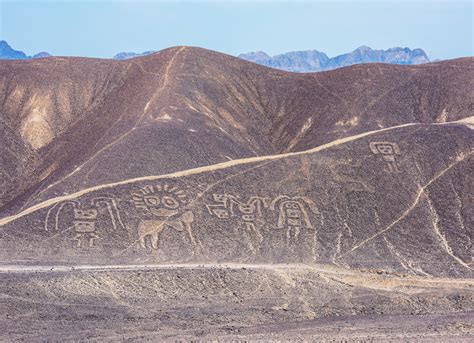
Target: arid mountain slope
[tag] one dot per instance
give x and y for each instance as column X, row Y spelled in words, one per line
column 68, row 122
column 397, row 200
column 191, row 194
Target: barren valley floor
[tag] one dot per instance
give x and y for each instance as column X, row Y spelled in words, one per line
column 230, row 302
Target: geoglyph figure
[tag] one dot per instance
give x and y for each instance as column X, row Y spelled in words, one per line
column 84, row 226
column 388, row 151
column 248, row 213
column 166, row 205
column 229, row 205
column 293, row 214
column 84, row 219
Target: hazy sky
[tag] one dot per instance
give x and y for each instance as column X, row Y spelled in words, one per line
column 103, row 28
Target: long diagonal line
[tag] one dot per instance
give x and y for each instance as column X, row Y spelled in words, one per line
column 198, row 170
column 164, row 84
column 419, row 194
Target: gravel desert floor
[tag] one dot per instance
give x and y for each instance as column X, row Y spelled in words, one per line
column 231, row 302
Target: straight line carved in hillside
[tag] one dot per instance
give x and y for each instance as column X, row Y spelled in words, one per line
column 139, row 121
column 188, row 172
column 308, row 123
column 442, row 238
column 215, row 167
column 419, row 194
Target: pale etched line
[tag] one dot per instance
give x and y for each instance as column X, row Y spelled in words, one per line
column 41, row 191
column 408, row 265
column 319, row 268
column 375, row 101
column 306, row 126
column 125, row 134
column 338, row 247
column 110, row 288
column 458, row 213
column 122, row 114
column 443, row 241
column 193, row 171
column 330, row 91
column 417, row 198
column 399, row 256
column 199, row 170
column 94, row 283
column 309, row 122
column 420, row 192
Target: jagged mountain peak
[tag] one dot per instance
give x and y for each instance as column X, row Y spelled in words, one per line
column 8, row 53
column 313, row 60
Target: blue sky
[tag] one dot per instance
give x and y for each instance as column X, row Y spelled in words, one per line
column 103, row 28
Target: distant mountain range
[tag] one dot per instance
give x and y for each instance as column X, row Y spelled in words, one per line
column 295, row 61
column 313, row 60
column 127, row 55
column 8, row 53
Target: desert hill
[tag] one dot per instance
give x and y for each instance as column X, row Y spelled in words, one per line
column 190, row 194
column 344, row 240
column 69, row 121
column 371, row 201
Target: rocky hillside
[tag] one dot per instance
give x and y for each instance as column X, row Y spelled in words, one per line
column 190, row 193
column 67, row 121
